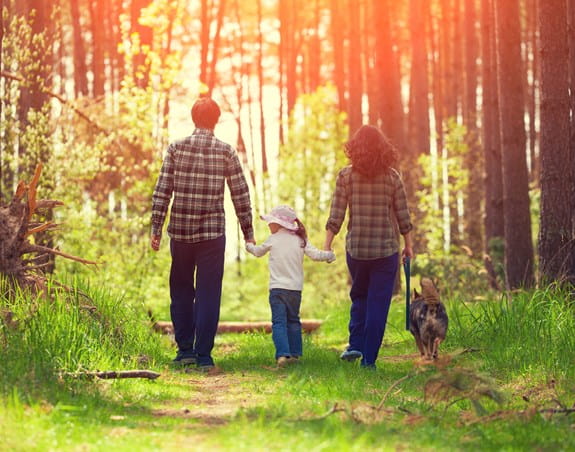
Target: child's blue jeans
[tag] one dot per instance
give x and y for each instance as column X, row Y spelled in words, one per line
column 371, row 290
column 286, row 325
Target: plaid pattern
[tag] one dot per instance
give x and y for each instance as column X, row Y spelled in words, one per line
column 374, row 205
column 194, row 171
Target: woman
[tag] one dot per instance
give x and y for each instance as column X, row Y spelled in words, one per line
column 374, row 193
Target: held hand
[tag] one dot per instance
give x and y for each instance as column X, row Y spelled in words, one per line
column 331, row 257
column 252, row 241
column 155, row 242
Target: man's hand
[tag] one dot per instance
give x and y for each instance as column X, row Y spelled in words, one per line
column 252, row 241
column 155, row 242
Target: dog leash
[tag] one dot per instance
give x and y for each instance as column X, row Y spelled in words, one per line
column 407, row 270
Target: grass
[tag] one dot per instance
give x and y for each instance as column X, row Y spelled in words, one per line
column 490, row 399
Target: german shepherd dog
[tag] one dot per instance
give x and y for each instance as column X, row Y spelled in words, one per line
column 428, row 319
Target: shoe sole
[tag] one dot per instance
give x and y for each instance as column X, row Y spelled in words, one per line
column 185, row 362
column 351, row 357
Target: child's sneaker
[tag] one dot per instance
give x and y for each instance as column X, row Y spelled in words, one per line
column 351, row 355
column 282, row 361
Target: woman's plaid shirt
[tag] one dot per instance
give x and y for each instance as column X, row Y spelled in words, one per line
column 194, row 171
column 374, row 205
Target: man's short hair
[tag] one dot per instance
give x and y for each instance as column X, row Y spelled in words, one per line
column 205, row 113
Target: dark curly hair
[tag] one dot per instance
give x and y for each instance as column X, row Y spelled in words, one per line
column 370, row 151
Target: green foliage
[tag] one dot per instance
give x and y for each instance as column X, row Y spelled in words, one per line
column 479, row 401
column 457, row 274
column 309, row 163
column 312, row 156
column 527, row 333
column 444, row 180
column 85, row 328
column 23, row 141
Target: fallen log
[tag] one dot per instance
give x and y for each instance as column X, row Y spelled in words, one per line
column 113, row 374
column 307, row 326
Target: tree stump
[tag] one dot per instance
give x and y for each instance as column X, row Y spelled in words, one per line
column 19, row 257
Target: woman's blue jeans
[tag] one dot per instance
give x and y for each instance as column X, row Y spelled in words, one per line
column 286, row 325
column 371, row 291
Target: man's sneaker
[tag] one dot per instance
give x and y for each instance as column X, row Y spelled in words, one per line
column 208, row 367
column 185, row 358
column 351, row 355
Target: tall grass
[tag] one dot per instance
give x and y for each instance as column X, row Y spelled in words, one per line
column 526, row 331
column 83, row 329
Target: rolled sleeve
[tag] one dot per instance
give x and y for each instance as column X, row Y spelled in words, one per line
column 339, row 202
column 401, row 208
column 163, row 193
column 240, row 193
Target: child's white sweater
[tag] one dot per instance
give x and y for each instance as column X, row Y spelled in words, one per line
column 286, row 258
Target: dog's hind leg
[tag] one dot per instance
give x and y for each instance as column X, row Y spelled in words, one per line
column 427, row 350
column 419, row 345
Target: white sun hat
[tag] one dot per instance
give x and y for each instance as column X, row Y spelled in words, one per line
column 285, row 216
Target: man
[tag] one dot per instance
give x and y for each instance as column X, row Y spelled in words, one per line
column 194, row 172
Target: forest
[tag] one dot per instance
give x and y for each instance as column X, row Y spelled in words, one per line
column 476, row 95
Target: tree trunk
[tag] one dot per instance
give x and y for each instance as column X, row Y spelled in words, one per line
column 390, row 105
column 555, row 237
column 291, row 55
column 517, row 220
column 571, row 41
column 98, row 43
column 80, row 69
column 419, row 131
column 337, row 33
column 355, row 77
column 472, row 215
column 204, row 41
column 532, row 67
column 216, row 47
column 493, row 183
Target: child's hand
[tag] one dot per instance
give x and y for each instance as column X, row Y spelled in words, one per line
column 331, row 257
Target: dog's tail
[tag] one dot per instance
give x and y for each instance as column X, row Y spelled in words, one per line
column 429, row 291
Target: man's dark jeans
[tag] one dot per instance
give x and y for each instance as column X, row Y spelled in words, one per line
column 371, row 291
column 195, row 289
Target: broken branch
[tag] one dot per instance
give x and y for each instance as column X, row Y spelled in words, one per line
column 39, row 248
column 114, row 374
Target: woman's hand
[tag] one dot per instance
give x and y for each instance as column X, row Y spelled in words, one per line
column 407, row 253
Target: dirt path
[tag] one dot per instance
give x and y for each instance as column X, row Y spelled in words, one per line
column 215, row 398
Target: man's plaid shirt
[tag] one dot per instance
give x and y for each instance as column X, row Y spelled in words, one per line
column 374, row 205
column 194, row 171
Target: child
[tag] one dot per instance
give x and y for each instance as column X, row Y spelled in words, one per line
column 287, row 245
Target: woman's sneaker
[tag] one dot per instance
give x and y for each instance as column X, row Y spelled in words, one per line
column 351, row 355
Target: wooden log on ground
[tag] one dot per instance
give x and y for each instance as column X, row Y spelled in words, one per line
column 307, row 326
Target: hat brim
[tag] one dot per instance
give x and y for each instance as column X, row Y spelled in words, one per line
column 283, row 223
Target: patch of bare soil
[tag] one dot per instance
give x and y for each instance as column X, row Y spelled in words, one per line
column 215, row 398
